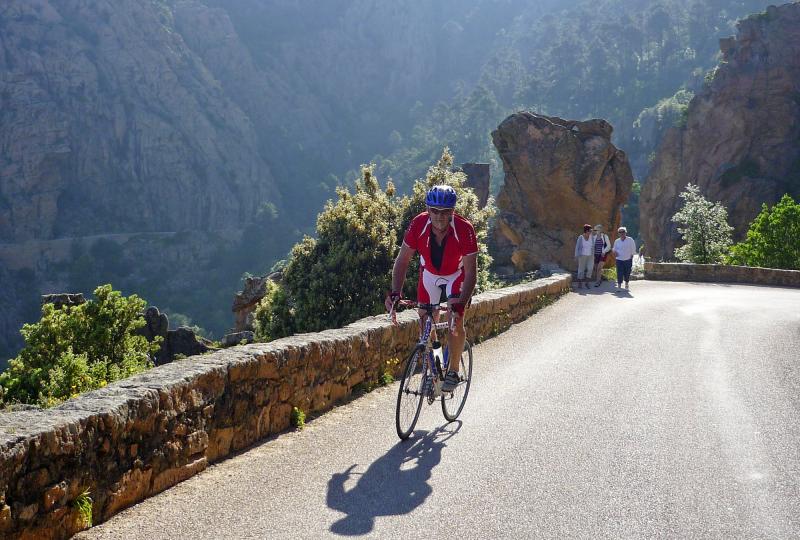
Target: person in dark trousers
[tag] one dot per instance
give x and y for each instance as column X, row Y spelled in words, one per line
column 624, row 250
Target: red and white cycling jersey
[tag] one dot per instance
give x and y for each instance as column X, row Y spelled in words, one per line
column 438, row 284
column 460, row 242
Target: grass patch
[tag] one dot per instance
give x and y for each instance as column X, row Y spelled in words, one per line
column 83, row 504
column 298, row 418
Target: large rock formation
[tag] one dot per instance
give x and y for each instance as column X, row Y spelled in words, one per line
column 559, row 174
column 741, row 141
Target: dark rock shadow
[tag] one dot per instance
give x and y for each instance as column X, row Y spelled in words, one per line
column 394, row 484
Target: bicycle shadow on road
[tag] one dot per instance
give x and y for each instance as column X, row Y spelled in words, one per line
column 394, row 484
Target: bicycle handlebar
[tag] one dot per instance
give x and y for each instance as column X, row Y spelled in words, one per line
column 429, row 308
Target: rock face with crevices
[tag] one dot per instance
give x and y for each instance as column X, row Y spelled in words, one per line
column 559, row 174
column 111, row 123
column 741, row 141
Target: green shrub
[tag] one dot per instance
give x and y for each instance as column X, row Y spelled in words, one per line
column 341, row 275
column 74, row 349
column 773, row 240
column 298, row 418
column 273, row 316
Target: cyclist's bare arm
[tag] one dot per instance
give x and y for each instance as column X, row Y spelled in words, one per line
column 401, row 266
column 399, row 275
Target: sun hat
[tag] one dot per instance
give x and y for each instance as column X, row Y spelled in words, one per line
column 587, row 227
column 622, row 229
column 598, row 228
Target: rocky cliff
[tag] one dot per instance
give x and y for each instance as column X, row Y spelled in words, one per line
column 111, row 123
column 560, row 174
column 741, row 141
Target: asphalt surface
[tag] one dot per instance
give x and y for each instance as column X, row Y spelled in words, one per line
column 670, row 411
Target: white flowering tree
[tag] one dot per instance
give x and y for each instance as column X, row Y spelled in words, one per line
column 704, row 228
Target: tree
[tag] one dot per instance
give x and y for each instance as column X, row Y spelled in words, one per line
column 704, row 227
column 73, row 349
column 773, row 240
column 341, row 275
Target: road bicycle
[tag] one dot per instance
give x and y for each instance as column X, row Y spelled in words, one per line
column 425, row 369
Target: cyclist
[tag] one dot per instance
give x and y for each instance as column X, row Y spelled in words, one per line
column 448, row 250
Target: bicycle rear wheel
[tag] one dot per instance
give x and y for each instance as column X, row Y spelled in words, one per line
column 453, row 403
column 410, row 395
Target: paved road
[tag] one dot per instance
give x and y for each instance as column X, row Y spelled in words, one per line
column 672, row 411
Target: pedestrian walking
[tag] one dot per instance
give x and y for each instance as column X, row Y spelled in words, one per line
column 624, row 250
column 585, row 256
column 601, row 248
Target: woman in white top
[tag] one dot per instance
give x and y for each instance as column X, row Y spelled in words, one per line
column 624, row 250
column 585, row 256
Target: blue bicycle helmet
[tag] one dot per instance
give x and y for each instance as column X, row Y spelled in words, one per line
column 441, row 197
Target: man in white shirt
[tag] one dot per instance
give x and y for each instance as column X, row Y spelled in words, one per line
column 585, row 256
column 624, row 250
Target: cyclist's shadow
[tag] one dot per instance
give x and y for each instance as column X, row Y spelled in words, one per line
column 394, row 484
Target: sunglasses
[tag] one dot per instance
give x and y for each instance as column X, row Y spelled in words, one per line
column 440, row 211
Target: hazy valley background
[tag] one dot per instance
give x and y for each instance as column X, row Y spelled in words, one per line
column 169, row 146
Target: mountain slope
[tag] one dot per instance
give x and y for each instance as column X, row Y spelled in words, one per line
column 741, row 142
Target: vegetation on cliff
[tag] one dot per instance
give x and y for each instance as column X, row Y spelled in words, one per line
column 73, row 349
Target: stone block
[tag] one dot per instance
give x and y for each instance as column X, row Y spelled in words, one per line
column 219, row 443
column 197, row 442
column 280, row 417
column 131, row 488
column 55, row 496
column 174, row 475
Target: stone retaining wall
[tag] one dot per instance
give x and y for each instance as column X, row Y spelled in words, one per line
column 721, row 273
column 137, row 437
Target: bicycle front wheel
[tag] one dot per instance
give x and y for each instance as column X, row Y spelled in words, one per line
column 409, row 397
column 453, row 402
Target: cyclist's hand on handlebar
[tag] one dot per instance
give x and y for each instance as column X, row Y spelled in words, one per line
column 392, row 298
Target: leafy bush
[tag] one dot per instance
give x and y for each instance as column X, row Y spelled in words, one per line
column 73, row 349
column 341, row 275
column 273, row 316
column 773, row 240
column 704, row 227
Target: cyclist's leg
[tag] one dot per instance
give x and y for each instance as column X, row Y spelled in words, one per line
column 455, row 340
column 423, row 297
column 429, row 291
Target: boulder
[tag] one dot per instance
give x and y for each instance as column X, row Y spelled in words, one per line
column 182, row 341
column 559, row 174
column 236, row 338
column 60, row 300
